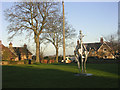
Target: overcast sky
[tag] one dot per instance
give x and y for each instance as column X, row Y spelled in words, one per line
column 95, row 19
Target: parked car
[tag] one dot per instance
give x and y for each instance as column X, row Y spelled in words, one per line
column 67, row 60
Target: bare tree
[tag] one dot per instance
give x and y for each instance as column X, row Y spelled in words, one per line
column 55, row 32
column 31, row 17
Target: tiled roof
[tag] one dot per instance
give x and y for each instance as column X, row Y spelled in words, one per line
column 112, row 45
column 22, row 50
column 94, row 46
column 6, row 53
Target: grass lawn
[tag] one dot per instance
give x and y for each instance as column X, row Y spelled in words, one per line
column 59, row 76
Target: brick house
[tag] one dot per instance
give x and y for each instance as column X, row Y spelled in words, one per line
column 15, row 53
column 100, row 49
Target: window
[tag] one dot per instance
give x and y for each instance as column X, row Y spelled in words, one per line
column 104, row 49
column 105, row 57
column 2, row 52
column 93, row 52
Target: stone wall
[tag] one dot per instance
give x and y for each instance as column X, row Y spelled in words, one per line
column 4, row 62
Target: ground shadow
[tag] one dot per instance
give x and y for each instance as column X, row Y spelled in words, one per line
column 105, row 67
column 32, row 77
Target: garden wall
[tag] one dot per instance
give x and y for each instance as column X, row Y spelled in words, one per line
column 14, row 62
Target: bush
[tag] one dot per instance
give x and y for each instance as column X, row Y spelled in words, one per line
column 47, row 58
column 60, row 58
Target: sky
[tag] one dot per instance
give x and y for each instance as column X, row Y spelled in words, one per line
column 95, row 19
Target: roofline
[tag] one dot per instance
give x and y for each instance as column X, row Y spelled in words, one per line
column 91, row 43
column 22, row 47
column 108, row 45
column 10, row 50
column 102, row 45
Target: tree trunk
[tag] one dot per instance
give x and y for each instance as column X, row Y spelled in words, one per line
column 37, row 49
column 57, row 55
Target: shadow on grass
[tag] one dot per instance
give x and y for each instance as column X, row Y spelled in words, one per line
column 106, row 67
column 32, row 77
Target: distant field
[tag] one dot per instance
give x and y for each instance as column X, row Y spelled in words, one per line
column 59, row 76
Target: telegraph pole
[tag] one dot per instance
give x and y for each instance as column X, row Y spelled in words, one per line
column 63, row 32
column 119, row 28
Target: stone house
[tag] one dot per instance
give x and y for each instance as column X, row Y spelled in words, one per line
column 21, row 52
column 6, row 54
column 100, row 50
column 15, row 53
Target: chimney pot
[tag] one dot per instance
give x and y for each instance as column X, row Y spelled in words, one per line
column 25, row 45
column 0, row 42
column 10, row 45
column 101, row 40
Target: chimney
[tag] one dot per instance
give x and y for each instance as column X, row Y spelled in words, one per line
column 10, row 45
column 0, row 42
column 77, row 42
column 25, row 46
column 101, row 40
